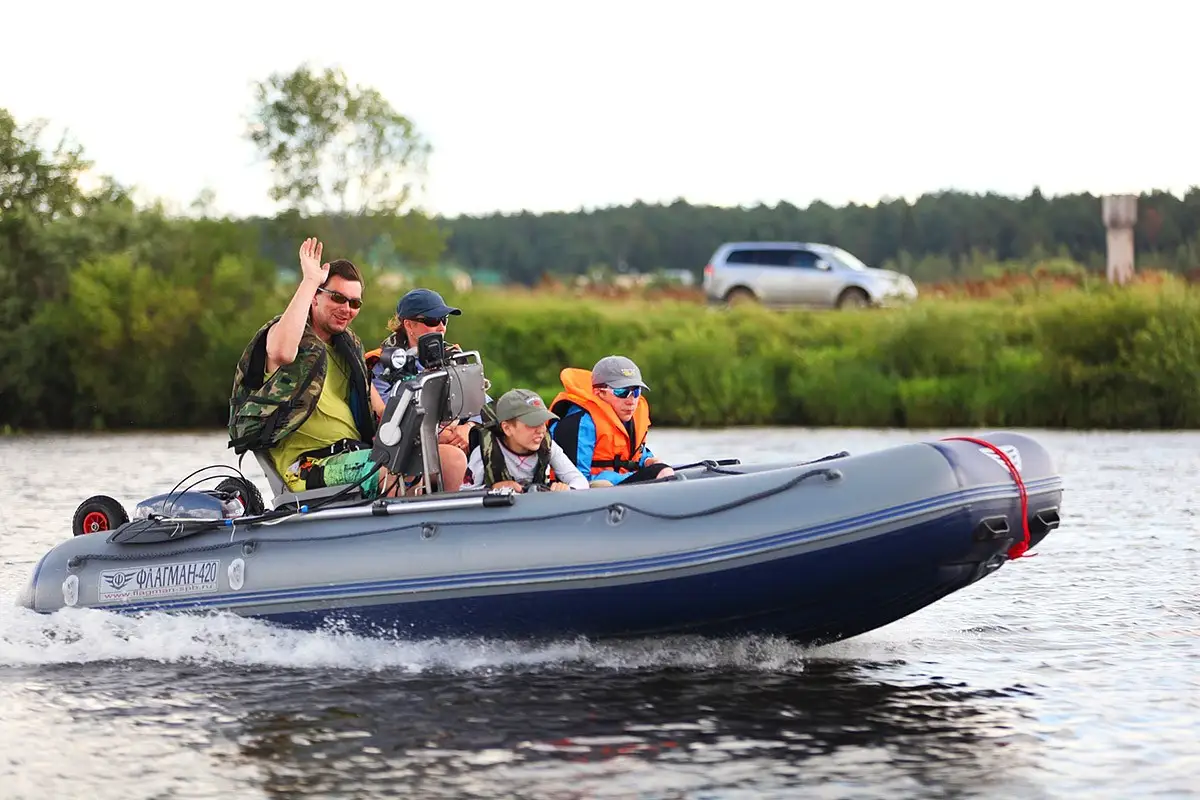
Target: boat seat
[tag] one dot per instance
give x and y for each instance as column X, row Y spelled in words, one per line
column 281, row 495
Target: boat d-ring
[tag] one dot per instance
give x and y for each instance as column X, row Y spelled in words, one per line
column 428, row 530
column 616, row 513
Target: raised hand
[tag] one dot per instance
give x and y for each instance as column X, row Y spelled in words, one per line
column 310, row 261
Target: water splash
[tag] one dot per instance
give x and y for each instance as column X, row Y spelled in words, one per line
column 84, row 636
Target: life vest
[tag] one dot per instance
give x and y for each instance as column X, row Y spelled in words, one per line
column 613, row 450
column 263, row 413
column 495, row 468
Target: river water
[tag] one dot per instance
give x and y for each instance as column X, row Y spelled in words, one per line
column 1073, row 673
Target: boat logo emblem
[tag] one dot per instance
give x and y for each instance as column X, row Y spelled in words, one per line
column 1014, row 455
column 118, row 580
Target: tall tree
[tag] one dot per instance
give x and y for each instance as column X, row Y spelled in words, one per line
column 38, row 186
column 335, row 147
column 39, row 200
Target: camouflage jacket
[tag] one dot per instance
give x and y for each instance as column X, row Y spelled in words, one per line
column 262, row 414
column 495, row 469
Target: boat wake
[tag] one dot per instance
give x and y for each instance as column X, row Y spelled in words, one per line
column 88, row 636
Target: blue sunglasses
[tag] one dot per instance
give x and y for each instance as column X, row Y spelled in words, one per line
column 628, row 391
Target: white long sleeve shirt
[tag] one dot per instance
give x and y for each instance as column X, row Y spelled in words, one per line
column 522, row 467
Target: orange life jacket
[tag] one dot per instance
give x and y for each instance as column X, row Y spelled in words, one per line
column 613, row 450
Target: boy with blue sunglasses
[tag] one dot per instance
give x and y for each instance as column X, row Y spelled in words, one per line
column 603, row 420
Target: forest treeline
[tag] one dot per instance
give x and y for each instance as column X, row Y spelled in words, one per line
column 939, row 237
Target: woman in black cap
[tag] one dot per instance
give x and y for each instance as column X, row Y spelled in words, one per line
column 419, row 312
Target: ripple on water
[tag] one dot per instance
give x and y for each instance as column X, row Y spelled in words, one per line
column 1072, row 673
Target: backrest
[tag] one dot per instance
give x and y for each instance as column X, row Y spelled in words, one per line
column 282, row 495
column 276, row 483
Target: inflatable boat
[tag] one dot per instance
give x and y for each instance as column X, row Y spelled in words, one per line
column 813, row 551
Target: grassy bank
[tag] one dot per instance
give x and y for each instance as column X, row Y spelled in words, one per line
column 1094, row 358
column 128, row 350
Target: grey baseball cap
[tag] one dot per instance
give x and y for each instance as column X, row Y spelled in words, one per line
column 523, row 406
column 617, row 372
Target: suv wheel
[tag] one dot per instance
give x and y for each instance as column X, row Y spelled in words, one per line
column 740, row 296
column 853, row 298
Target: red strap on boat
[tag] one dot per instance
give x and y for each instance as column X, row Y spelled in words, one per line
column 1018, row 549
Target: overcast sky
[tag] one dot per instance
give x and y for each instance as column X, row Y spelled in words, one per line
column 563, row 105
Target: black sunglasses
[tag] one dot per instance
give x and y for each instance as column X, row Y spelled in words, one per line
column 431, row 322
column 339, row 298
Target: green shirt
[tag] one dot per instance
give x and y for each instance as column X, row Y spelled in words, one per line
column 331, row 421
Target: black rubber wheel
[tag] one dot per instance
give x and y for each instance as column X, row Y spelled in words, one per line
column 740, row 296
column 853, row 298
column 99, row 513
column 245, row 491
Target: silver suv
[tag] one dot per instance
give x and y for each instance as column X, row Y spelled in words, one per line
column 800, row 274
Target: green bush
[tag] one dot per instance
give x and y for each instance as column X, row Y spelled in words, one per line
column 136, row 345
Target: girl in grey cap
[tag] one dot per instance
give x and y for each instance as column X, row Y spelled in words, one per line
column 517, row 452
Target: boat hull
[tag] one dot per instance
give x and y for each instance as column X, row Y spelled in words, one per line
column 812, row 552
